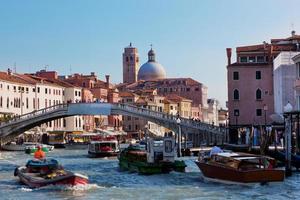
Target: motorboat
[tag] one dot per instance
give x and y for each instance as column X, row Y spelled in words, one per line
column 33, row 148
column 13, row 146
column 239, row 168
column 103, row 147
column 158, row 157
column 39, row 173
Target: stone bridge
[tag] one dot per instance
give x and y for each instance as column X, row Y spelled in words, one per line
column 198, row 132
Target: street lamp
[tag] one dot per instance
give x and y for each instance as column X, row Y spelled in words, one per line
column 146, row 134
column 21, row 91
column 178, row 121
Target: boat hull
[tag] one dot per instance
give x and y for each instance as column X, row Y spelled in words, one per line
column 102, row 154
column 222, row 174
column 149, row 168
column 33, row 181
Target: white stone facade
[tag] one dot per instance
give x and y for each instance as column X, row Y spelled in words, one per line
column 21, row 94
column 284, row 78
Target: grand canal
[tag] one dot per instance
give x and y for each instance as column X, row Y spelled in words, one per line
column 107, row 182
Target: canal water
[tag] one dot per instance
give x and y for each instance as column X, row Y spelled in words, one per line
column 107, row 182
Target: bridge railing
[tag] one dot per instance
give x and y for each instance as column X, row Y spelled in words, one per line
column 170, row 117
column 33, row 114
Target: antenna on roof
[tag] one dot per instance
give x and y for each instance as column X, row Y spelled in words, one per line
column 151, row 46
column 70, row 70
column 15, row 67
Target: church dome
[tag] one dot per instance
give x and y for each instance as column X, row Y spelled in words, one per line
column 151, row 69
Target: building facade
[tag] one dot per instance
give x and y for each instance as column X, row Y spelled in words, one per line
column 250, row 81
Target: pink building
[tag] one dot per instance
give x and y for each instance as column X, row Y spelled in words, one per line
column 250, row 81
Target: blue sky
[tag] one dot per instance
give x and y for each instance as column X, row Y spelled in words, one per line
column 189, row 36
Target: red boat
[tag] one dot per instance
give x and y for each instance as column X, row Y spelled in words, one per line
column 38, row 173
column 239, row 168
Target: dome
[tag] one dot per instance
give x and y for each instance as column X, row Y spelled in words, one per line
column 151, row 70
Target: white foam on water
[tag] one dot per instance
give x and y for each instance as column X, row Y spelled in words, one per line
column 81, row 187
column 25, row 189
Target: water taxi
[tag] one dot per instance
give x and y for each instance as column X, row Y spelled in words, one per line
column 101, row 147
column 38, row 173
column 239, row 168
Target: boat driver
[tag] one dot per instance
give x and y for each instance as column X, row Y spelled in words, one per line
column 215, row 150
column 39, row 154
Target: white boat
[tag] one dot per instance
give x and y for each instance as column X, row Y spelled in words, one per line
column 33, row 148
column 12, row 146
column 104, row 147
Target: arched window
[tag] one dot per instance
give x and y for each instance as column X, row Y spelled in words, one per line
column 258, row 94
column 236, row 95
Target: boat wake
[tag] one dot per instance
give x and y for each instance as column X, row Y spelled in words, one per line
column 86, row 187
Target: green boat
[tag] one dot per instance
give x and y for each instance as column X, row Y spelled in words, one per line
column 158, row 158
column 33, row 148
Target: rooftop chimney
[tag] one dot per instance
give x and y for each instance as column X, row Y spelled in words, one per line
column 9, row 71
column 228, row 50
column 107, row 80
column 293, row 33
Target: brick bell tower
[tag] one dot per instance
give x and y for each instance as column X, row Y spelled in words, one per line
column 130, row 64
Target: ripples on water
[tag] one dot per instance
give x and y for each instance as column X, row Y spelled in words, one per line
column 107, row 182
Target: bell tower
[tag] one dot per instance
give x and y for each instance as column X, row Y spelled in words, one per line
column 130, row 64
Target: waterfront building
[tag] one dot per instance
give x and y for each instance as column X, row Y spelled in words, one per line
column 296, row 60
column 148, row 99
column 250, row 81
column 102, row 91
column 25, row 93
column 285, row 75
column 71, row 94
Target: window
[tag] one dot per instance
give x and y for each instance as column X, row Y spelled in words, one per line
column 298, row 69
column 168, row 146
column 258, row 94
column 75, row 93
column 33, row 89
column 128, row 118
column 187, row 89
column 38, row 89
column 236, row 112
column 260, row 59
column 258, row 75
column 236, row 95
column 7, row 102
column 235, row 75
column 1, row 102
column 243, row 59
column 46, row 90
column 129, row 127
column 27, row 102
column 196, row 89
column 252, row 59
column 258, row 112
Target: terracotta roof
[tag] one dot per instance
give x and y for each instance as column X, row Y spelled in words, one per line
column 13, row 78
column 176, row 98
column 126, row 94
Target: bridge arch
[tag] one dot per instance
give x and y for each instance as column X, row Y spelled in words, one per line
column 17, row 125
